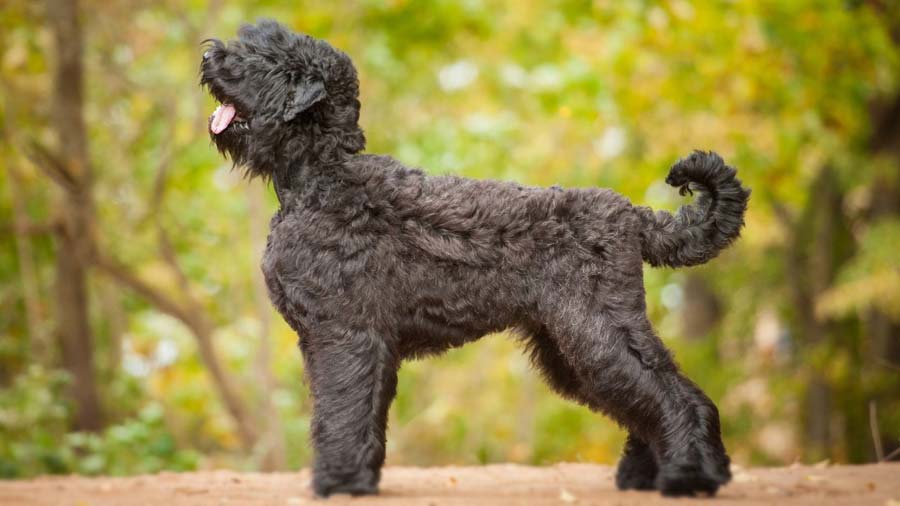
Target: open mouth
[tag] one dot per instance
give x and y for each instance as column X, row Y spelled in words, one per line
column 224, row 116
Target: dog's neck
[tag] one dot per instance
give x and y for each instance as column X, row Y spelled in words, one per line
column 309, row 155
column 288, row 183
column 303, row 178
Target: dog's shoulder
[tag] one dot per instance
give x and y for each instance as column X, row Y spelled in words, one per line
column 378, row 162
column 369, row 168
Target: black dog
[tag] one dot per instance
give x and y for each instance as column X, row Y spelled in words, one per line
column 371, row 263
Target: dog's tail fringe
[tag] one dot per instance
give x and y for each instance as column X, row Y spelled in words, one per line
column 697, row 232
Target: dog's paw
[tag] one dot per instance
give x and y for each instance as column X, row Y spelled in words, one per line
column 690, row 480
column 326, row 484
column 637, row 471
column 635, row 479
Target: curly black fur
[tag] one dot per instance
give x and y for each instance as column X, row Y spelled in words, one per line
column 371, row 262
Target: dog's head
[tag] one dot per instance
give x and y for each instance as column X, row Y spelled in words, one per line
column 284, row 98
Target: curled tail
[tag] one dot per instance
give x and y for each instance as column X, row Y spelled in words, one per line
column 697, row 232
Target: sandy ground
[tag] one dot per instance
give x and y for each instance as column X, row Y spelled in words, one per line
column 563, row 484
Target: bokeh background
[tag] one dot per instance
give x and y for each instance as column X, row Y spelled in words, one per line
column 135, row 332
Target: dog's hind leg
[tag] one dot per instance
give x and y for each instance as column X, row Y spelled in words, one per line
column 692, row 456
column 625, row 371
column 637, row 468
column 353, row 378
column 690, row 453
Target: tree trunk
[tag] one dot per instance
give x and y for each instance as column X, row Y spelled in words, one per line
column 817, row 248
column 75, row 210
column 75, row 339
column 820, row 270
column 883, row 350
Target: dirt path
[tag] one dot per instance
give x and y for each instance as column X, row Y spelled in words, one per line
column 564, row 484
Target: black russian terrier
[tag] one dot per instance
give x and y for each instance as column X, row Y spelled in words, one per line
column 372, row 262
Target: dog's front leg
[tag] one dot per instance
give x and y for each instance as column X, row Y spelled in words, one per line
column 353, row 378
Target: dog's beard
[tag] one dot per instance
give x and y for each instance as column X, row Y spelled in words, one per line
column 229, row 131
column 233, row 142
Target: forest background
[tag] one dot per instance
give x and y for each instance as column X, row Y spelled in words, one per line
column 135, row 331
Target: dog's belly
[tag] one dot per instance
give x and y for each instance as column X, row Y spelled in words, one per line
column 432, row 339
column 423, row 333
column 442, row 308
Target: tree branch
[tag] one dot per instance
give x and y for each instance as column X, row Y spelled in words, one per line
column 51, row 166
column 25, row 227
column 121, row 273
column 192, row 316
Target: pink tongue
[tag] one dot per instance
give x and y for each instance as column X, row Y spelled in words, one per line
column 222, row 118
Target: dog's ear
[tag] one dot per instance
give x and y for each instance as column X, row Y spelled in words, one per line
column 306, row 93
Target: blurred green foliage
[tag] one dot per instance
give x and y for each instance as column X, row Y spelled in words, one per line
column 568, row 92
column 34, row 416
